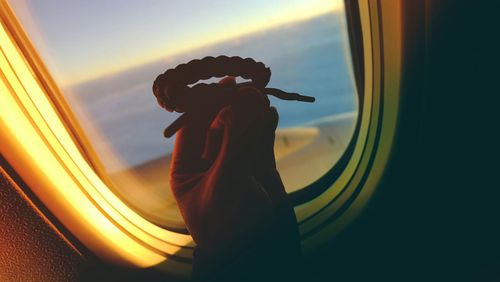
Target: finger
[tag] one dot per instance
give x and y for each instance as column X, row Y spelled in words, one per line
column 213, row 142
column 215, row 131
column 228, row 80
column 187, row 156
column 240, row 125
column 264, row 147
column 188, row 148
column 264, row 166
column 251, row 97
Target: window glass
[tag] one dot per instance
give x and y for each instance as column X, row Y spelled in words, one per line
column 106, row 54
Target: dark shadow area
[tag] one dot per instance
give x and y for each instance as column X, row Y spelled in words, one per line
column 435, row 215
column 101, row 271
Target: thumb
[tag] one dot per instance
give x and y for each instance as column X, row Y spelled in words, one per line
column 228, row 136
column 215, row 130
column 232, row 136
column 235, row 126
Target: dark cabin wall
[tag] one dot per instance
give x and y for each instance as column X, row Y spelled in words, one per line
column 436, row 213
column 31, row 249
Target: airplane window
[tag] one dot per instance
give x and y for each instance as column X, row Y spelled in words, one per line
column 104, row 55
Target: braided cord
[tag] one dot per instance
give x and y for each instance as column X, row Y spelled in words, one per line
column 172, row 81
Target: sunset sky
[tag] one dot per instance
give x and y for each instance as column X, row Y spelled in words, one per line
column 82, row 40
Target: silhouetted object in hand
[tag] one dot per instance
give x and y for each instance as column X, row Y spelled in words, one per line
column 224, row 178
column 171, row 86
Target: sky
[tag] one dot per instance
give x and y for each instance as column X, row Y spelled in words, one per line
column 83, row 40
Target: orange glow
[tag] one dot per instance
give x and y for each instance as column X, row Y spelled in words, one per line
column 37, row 144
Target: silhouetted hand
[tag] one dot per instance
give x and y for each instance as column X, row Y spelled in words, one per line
column 223, row 171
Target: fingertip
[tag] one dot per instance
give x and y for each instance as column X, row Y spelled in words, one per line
column 273, row 117
column 272, row 110
column 274, row 113
column 249, row 95
column 224, row 117
column 228, row 80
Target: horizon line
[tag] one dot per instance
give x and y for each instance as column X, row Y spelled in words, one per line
column 164, row 56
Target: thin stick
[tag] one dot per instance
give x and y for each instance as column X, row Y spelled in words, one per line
column 184, row 118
